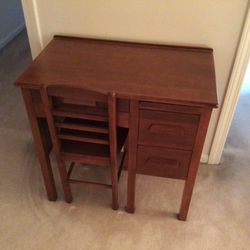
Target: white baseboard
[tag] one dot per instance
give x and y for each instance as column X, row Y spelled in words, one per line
column 204, row 158
column 4, row 41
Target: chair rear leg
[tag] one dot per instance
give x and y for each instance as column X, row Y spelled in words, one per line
column 64, row 179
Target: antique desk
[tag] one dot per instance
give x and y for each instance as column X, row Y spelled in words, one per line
column 166, row 96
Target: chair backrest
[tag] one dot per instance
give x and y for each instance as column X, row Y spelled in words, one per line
column 80, row 115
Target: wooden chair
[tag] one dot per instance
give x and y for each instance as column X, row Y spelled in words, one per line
column 83, row 129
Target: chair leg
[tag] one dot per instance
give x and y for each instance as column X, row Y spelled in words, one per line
column 64, row 179
column 125, row 164
column 115, row 203
column 122, row 164
column 114, row 180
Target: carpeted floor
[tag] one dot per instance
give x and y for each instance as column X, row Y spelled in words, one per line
column 219, row 216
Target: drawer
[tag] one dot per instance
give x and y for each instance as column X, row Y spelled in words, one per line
column 170, row 129
column 163, row 162
column 194, row 109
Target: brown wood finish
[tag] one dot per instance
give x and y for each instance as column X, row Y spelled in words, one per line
column 163, row 162
column 74, row 143
column 165, row 95
column 122, row 108
column 113, row 147
column 93, row 128
column 170, row 129
column 41, row 149
column 145, row 72
column 194, row 164
column 132, row 154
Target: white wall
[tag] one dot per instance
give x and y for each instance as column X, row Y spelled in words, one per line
column 11, row 20
column 213, row 23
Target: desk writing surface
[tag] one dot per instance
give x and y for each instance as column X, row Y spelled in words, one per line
column 132, row 70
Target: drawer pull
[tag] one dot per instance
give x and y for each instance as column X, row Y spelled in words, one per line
column 166, row 129
column 163, row 162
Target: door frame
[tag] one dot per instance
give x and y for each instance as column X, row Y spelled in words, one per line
column 30, row 11
column 232, row 94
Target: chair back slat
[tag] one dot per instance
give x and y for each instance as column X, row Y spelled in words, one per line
column 79, row 115
column 75, row 93
column 83, row 139
column 89, row 128
column 83, row 108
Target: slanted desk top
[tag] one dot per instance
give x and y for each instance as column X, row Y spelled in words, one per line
column 140, row 71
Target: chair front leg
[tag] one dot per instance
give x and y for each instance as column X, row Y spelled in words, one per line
column 64, row 179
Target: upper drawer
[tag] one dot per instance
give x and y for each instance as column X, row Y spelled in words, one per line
column 170, row 129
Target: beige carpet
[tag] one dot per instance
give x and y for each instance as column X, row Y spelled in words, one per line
column 219, row 216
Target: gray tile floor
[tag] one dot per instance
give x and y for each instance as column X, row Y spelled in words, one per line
column 219, row 213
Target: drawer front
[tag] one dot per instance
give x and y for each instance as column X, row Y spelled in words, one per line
column 163, row 162
column 170, row 129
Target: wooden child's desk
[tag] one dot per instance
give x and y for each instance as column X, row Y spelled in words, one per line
column 166, row 96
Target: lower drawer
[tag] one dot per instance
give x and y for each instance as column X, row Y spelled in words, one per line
column 163, row 162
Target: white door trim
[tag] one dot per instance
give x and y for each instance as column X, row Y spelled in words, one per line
column 232, row 95
column 33, row 26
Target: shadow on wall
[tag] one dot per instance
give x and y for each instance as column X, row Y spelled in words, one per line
column 11, row 20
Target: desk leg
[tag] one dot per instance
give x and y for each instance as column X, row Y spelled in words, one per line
column 37, row 127
column 195, row 161
column 132, row 153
